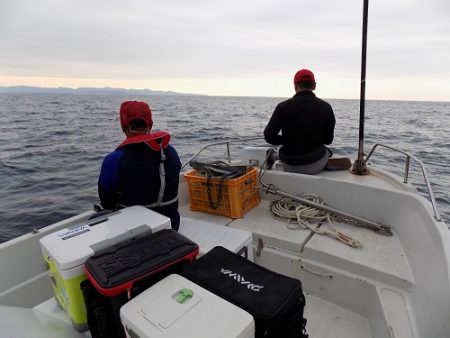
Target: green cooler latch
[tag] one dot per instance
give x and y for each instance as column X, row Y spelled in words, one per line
column 184, row 295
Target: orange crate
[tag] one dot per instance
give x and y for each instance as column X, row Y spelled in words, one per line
column 238, row 195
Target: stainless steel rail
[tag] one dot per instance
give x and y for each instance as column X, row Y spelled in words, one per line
column 405, row 177
column 227, row 143
column 406, row 174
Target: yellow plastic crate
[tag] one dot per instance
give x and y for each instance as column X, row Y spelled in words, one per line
column 237, row 197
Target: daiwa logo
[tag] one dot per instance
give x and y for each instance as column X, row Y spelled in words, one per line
column 241, row 280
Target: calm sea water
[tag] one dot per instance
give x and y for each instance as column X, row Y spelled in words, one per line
column 52, row 146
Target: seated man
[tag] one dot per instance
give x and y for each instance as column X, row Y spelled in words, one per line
column 307, row 125
column 144, row 169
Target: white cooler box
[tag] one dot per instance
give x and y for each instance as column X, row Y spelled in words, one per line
column 176, row 307
column 66, row 251
column 208, row 236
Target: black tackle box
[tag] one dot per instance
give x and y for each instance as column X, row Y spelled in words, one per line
column 275, row 301
column 121, row 272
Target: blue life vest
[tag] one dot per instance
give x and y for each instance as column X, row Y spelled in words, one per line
column 143, row 170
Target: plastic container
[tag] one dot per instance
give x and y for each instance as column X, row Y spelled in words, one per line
column 208, row 236
column 231, row 198
column 124, row 271
column 176, row 307
column 66, row 250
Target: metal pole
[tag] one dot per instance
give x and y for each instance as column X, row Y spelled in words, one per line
column 405, row 177
column 382, row 229
column 359, row 166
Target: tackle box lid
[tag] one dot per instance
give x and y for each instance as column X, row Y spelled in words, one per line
column 117, row 268
column 70, row 247
column 260, row 291
column 208, row 235
column 176, row 307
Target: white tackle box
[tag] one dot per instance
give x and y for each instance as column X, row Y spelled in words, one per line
column 176, row 307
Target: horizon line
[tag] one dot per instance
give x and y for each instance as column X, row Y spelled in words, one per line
column 169, row 92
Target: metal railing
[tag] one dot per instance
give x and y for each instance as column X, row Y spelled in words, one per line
column 406, row 174
column 405, row 177
column 227, row 143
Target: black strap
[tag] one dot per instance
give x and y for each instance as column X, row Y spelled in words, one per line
column 222, row 171
column 215, row 204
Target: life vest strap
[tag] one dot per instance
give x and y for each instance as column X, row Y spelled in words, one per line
column 162, row 176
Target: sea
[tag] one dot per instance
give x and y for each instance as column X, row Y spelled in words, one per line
column 52, row 145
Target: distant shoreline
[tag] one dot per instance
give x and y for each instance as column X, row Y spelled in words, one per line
column 149, row 92
column 87, row 90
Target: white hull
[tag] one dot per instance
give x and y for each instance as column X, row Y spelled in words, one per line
column 395, row 286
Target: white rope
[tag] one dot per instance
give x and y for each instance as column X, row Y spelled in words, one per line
column 299, row 216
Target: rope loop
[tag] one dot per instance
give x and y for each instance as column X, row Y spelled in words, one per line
column 299, row 216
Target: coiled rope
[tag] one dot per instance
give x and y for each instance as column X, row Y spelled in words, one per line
column 299, row 216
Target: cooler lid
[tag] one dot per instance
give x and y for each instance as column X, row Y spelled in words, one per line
column 170, row 305
column 176, row 307
column 208, row 235
column 72, row 246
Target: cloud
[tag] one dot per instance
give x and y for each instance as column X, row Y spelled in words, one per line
column 180, row 40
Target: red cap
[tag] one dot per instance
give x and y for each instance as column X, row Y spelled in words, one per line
column 131, row 110
column 304, row 75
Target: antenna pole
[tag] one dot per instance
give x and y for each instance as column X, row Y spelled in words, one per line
column 359, row 166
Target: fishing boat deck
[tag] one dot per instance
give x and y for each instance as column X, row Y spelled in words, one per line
column 379, row 263
column 326, row 317
column 331, row 320
column 379, row 258
column 350, row 292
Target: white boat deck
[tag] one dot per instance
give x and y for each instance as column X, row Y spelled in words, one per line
column 385, row 254
column 380, row 257
column 325, row 318
column 381, row 289
column 331, row 320
column 380, row 267
column 328, row 320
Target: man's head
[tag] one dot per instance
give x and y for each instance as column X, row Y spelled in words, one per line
column 135, row 117
column 304, row 80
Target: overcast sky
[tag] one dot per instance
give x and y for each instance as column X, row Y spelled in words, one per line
column 228, row 47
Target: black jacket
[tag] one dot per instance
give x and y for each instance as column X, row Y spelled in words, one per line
column 307, row 125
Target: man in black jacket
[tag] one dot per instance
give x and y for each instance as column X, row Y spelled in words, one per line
column 306, row 124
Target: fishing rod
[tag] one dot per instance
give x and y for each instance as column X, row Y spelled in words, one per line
column 359, row 166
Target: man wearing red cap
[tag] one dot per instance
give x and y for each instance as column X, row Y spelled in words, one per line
column 306, row 124
column 144, row 169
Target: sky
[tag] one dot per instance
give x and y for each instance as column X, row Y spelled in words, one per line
column 232, row 47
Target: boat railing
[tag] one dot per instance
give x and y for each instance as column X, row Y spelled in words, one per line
column 406, row 173
column 227, row 143
column 409, row 156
